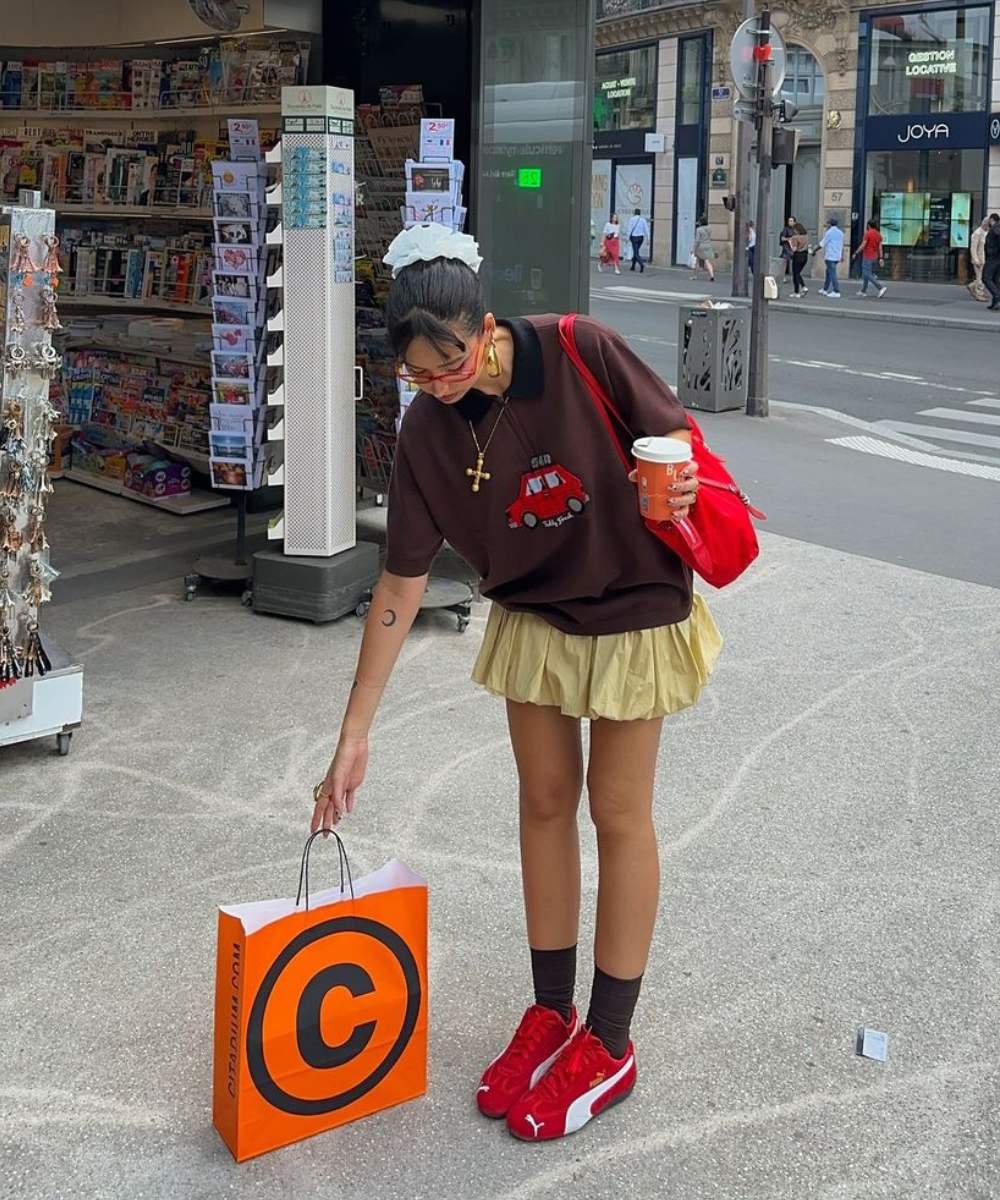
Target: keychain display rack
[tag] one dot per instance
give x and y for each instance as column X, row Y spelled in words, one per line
column 41, row 687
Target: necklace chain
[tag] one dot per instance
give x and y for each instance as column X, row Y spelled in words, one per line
column 476, row 473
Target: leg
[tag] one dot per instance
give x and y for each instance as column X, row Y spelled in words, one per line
column 620, row 783
column 550, row 770
column 990, row 273
column 978, row 268
column 866, row 271
column 710, row 268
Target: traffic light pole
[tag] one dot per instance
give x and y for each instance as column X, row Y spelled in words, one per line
column 757, row 390
column 741, row 187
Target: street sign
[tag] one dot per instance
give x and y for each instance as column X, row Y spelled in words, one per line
column 743, row 110
column 743, row 64
column 722, row 93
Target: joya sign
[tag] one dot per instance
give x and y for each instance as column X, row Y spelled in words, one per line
column 953, row 131
column 917, row 132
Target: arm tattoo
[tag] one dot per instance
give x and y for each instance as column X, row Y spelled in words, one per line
column 389, row 618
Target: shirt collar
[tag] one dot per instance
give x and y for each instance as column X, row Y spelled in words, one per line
column 528, row 377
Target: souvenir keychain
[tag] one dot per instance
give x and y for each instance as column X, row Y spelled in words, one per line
column 38, row 591
column 13, row 489
column 12, row 431
column 8, row 598
column 50, row 318
column 35, row 658
column 15, row 358
column 47, row 359
column 51, row 254
column 11, row 538
column 10, row 667
column 36, row 529
column 17, row 323
column 20, row 262
column 37, row 483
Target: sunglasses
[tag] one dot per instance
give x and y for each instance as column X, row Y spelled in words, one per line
column 457, row 374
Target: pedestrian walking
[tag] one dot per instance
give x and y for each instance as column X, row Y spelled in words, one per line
column 703, row 252
column 798, row 243
column 991, row 261
column 785, row 242
column 592, row 618
column 751, row 245
column 612, row 242
column 977, row 252
column 870, row 253
column 832, row 245
column 638, row 232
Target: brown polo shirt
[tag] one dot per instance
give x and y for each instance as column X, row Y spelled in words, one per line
column 556, row 529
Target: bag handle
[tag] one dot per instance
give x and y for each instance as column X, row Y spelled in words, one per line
column 304, row 868
column 602, row 402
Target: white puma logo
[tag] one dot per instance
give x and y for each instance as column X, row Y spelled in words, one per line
column 484, row 1088
column 535, row 1125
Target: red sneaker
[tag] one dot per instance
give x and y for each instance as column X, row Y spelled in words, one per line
column 584, row 1081
column 540, row 1039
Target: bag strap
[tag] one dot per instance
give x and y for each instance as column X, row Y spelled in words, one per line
column 602, row 402
column 304, row 868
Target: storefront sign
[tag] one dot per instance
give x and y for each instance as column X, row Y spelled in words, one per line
column 624, row 142
column 932, row 62
column 995, row 128
column 941, row 131
column 615, row 89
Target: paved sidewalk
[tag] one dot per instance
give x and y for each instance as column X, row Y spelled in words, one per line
column 947, row 305
column 829, row 846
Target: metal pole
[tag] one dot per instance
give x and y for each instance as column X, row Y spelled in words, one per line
column 741, row 189
column 758, row 379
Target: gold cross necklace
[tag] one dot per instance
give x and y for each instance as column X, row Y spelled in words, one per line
column 476, row 473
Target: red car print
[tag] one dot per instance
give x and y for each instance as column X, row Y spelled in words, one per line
column 549, row 495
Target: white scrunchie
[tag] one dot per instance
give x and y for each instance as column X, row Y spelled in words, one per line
column 423, row 243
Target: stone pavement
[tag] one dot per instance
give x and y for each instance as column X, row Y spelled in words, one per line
column 829, row 843
column 946, row 305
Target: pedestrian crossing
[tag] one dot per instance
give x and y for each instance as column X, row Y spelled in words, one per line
column 963, row 438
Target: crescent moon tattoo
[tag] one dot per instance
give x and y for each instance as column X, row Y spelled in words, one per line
column 389, row 618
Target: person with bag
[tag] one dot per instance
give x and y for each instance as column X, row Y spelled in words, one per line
column 505, row 455
column 799, row 245
column 612, row 243
column 991, row 256
column 638, row 232
column 702, row 252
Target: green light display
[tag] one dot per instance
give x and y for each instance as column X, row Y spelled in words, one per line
column 529, row 177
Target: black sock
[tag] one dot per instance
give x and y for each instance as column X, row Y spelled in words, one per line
column 612, row 1003
column 554, row 975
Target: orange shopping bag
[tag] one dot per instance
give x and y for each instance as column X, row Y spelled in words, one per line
column 320, row 1007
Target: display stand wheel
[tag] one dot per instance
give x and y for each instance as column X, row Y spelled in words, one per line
column 220, row 570
column 63, row 742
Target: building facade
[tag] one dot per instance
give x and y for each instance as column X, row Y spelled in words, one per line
column 898, row 118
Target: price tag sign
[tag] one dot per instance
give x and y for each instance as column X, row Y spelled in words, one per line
column 437, row 138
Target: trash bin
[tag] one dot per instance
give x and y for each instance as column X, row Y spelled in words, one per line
column 712, row 357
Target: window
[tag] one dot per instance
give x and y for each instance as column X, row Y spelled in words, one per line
column 692, row 80
column 625, row 89
column 929, row 62
column 803, row 78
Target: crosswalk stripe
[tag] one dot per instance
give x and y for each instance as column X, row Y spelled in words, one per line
column 869, row 445
column 939, row 434
column 959, row 414
column 986, row 402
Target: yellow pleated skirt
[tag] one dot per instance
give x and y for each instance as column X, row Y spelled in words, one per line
column 619, row 677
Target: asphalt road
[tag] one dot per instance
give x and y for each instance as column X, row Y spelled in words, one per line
column 883, row 439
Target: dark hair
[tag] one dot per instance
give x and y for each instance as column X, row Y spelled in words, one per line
column 873, row 224
column 994, row 217
column 702, row 220
column 427, row 298
column 800, row 228
column 638, row 212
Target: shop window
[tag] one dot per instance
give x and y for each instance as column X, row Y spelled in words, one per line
column 925, row 202
column 692, row 80
column 803, row 78
column 929, row 62
column 625, row 89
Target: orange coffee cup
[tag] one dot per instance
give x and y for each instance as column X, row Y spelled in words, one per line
column 659, row 462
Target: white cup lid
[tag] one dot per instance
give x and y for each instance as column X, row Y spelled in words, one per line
column 662, row 450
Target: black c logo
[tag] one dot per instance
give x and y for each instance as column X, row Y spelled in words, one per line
column 314, row 1050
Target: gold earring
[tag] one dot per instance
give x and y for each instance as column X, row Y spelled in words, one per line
column 493, row 367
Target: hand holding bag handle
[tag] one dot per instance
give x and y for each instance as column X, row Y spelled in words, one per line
column 304, row 868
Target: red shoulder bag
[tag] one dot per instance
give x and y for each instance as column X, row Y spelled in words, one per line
column 717, row 539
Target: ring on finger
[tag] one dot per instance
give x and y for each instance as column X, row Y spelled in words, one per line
column 318, row 794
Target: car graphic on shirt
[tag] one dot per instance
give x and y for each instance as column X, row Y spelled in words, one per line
column 549, row 495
